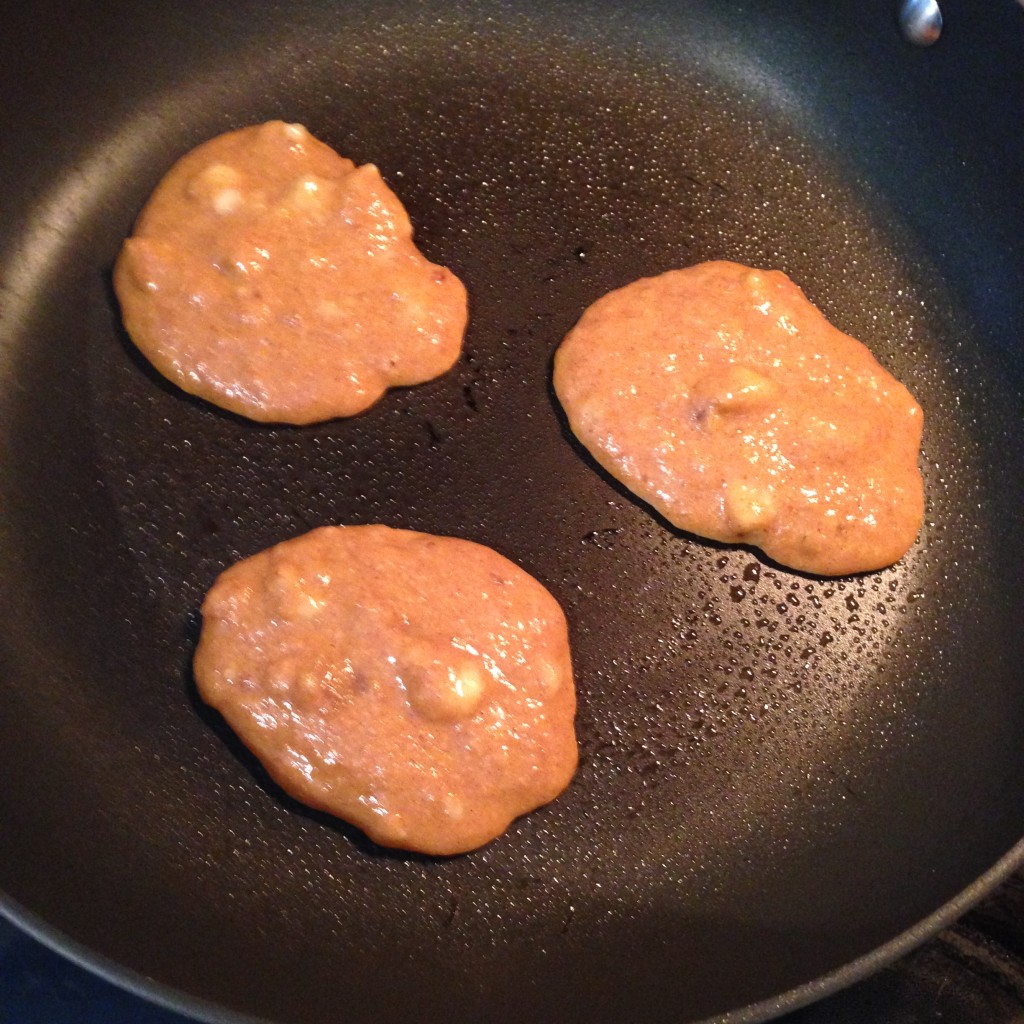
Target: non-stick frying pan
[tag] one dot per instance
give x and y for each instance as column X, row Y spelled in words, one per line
column 784, row 780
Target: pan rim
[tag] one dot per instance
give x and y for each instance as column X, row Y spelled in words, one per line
column 179, row 1001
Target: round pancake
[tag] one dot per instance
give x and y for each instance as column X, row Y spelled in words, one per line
column 276, row 279
column 419, row 687
column 722, row 397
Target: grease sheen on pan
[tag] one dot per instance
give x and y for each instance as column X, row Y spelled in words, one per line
column 274, row 278
column 417, row 686
column 722, row 397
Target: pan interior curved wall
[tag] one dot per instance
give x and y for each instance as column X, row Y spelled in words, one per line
column 778, row 773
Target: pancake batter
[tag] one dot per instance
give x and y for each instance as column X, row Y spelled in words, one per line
column 419, row 687
column 276, row 279
column 721, row 396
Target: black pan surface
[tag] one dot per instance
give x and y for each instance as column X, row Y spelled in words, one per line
column 779, row 774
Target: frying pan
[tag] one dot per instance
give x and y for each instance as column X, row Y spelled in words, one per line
column 785, row 781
